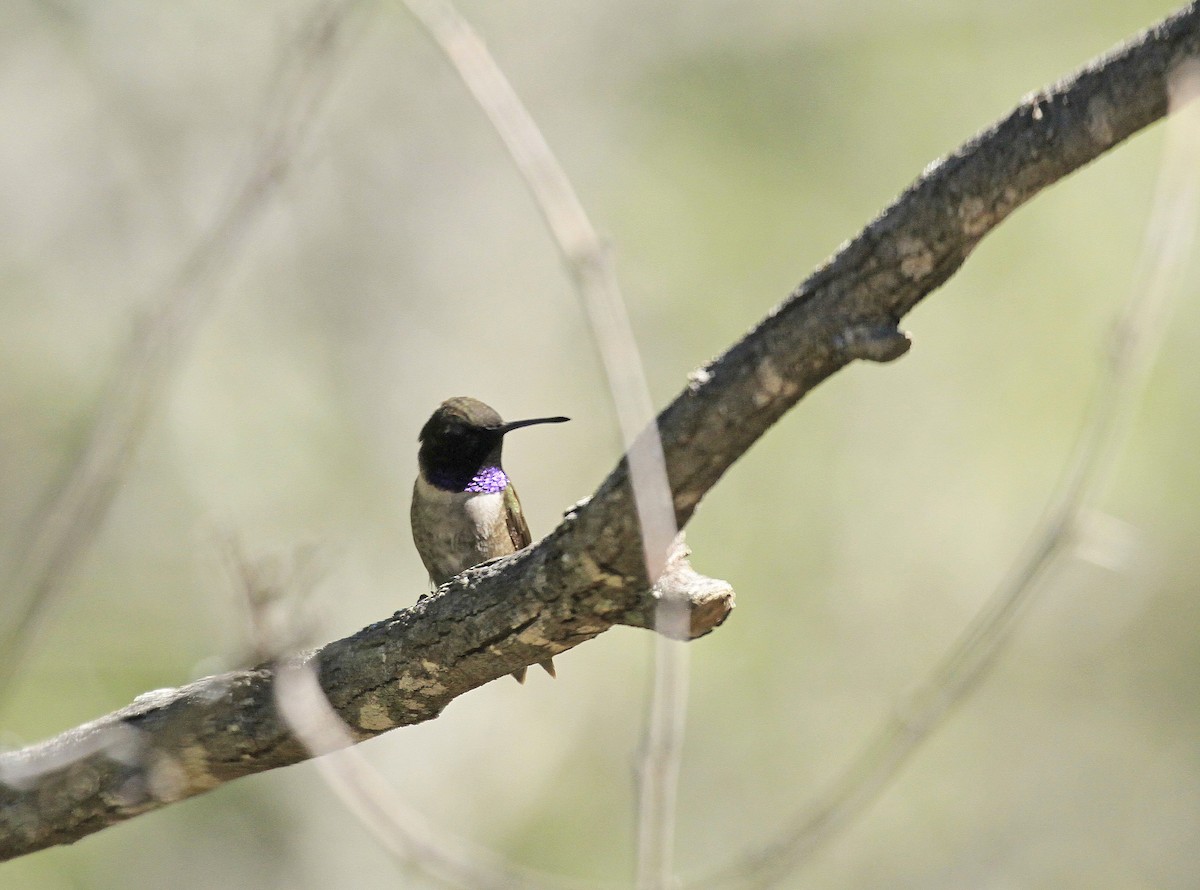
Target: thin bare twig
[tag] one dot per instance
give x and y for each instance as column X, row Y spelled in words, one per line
column 400, row 829
column 1137, row 336
column 270, row 596
column 591, row 266
column 73, row 510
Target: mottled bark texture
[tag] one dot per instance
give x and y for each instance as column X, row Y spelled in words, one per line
column 587, row 575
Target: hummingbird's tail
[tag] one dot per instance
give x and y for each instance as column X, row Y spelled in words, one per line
column 547, row 665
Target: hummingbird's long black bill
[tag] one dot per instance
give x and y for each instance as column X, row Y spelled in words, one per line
column 517, row 424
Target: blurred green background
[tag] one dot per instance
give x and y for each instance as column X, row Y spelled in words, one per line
column 725, row 148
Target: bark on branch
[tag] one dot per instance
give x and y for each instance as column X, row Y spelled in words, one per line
column 588, row 574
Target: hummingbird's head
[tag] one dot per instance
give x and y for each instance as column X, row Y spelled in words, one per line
column 463, row 437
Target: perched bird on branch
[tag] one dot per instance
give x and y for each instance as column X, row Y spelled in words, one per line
column 465, row 509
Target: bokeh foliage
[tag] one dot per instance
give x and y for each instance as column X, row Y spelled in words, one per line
column 726, row 148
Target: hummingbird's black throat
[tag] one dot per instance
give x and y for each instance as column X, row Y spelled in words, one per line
column 463, row 462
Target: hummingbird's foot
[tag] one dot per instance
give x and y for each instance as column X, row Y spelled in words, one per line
column 519, row 675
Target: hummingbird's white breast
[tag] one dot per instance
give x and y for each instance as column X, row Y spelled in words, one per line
column 454, row 530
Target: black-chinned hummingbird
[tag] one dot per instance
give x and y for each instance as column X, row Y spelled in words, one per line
column 465, row 509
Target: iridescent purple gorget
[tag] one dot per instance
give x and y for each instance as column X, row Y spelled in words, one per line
column 489, row 480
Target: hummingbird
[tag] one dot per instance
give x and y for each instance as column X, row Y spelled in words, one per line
column 465, row 509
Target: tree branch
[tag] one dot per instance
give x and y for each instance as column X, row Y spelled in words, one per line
column 589, row 574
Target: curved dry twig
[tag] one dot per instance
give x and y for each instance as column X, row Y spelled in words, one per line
column 74, row 509
column 271, row 596
column 593, row 271
column 1137, row 337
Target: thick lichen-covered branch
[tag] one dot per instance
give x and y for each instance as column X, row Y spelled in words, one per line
column 174, row 743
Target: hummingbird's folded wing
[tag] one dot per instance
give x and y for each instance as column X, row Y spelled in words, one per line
column 518, row 531
column 518, row 528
